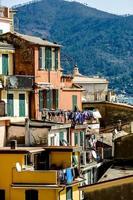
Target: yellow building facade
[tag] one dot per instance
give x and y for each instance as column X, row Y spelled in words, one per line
column 39, row 174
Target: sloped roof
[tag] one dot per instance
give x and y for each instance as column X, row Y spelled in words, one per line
column 4, row 45
column 34, row 40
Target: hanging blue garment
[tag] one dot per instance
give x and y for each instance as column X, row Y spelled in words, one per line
column 69, row 176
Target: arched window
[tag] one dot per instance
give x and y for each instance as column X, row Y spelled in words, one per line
column 31, row 195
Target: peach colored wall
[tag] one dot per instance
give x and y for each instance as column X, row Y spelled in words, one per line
column 42, row 75
column 65, row 99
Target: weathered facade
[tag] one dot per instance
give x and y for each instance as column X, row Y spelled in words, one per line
column 38, row 62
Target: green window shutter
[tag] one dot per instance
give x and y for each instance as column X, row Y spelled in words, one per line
column 69, row 192
column 56, row 58
column 74, row 101
column 5, row 64
column 76, row 139
column 1, row 31
column 57, row 99
column 42, row 58
column 49, row 100
column 10, row 105
column 61, row 136
column 81, row 138
column 40, row 100
column 48, row 58
column 21, row 105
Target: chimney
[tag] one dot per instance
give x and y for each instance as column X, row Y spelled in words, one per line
column 13, row 144
column 76, row 70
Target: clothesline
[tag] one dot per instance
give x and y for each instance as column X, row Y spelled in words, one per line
column 76, row 117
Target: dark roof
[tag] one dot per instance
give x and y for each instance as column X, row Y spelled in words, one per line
column 63, row 148
column 20, row 150
column 33, row 39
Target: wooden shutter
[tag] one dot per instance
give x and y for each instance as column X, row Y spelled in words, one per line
column 56, row 58
column 76, row 139
column 74, row 101
column 10, row 105
column 42, row 57
column 49, row 99
column 69, row 193
column 61, row 136
column 5, row 64
column 57, row 99
column 48, row 58
column 1, row 31
column 21, row 105
column 82, row 138
column 40, row 100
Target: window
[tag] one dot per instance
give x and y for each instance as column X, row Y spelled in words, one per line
column 82, row 139
column 21, row 105
column 55, row 99
column 10, row 105
column 2, row 194
column 31, row 195
column 56, row 58
column 61, row 137
column 52, row 141
column 1, row 31
column 42, row 58
column 76, row 141
column 49, row 100
column 48, row 58
column 5, row 64
column 69, row 193
column 40, row 100
column 74, row 101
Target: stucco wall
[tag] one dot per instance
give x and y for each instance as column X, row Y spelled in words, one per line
column 16, row 101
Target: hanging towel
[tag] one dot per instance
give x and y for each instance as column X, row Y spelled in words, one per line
column 69, row 177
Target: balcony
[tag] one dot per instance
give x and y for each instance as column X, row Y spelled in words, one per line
column 88, row 157
column 20, row 82
column 45, row 177
column 49, row 177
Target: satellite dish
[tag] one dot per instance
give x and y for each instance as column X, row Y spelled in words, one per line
column 18, row 167
column 13, row 81
column 94, row 154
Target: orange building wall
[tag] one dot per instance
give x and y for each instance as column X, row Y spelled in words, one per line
column 43, row 75
column 65, row 98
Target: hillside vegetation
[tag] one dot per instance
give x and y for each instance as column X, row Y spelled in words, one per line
column 98, row 42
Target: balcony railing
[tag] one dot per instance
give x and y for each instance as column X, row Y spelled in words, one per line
column 20, row 82
column 87, row 157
